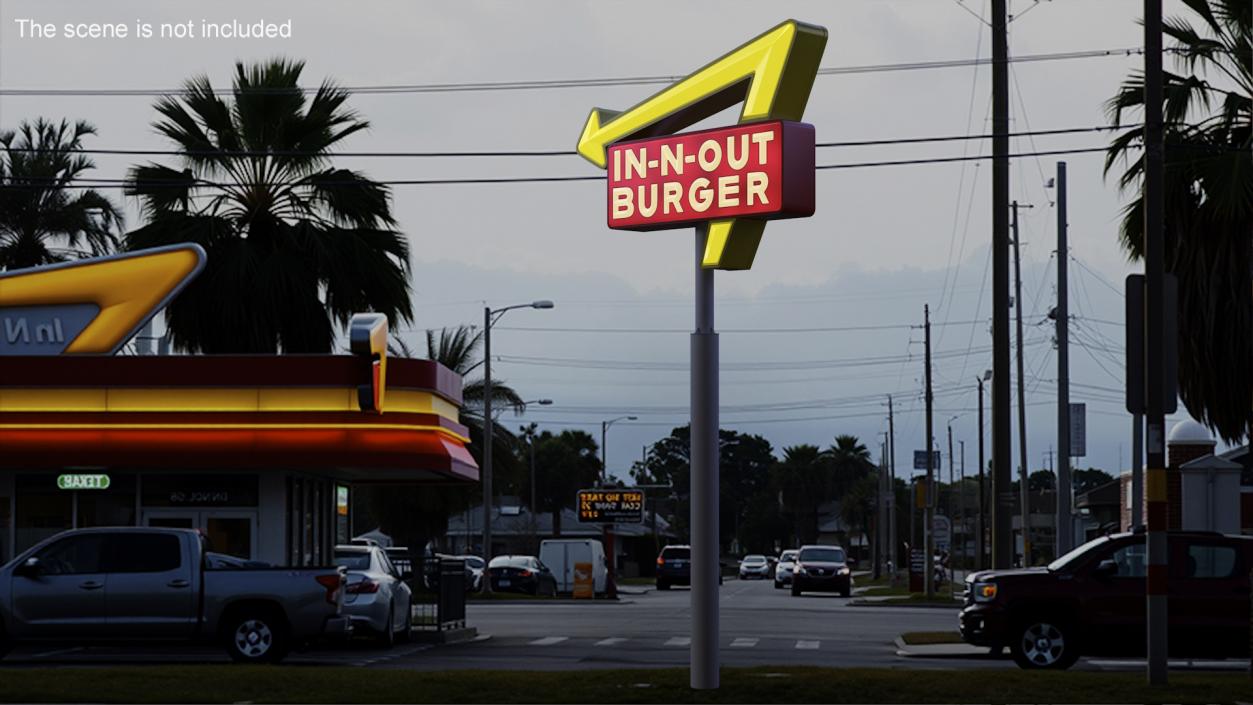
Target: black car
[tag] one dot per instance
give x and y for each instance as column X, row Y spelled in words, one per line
column 821, row 568
column 674, row 567
column 1091, row 601
column 524, row 574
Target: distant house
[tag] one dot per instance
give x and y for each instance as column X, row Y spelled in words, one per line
column 516, row 530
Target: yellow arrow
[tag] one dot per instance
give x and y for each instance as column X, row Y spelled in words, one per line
column 771, row 74
column 128, row 289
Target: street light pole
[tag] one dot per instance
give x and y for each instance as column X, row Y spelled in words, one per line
column 611, row 585
column 490, row 317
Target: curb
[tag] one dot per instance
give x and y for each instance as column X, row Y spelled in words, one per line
column 862, row 602
column 953, row 651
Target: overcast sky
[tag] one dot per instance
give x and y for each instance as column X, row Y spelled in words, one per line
column 884, row 241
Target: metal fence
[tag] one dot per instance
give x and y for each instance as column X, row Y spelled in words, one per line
column 440, row 595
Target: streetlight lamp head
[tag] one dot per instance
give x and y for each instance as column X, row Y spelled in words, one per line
column 543, row 303
column 544, row 402
column 987, row 375
column 632, row 418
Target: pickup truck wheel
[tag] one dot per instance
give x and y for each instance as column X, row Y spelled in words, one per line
column 1044, row 644
column 256, row 638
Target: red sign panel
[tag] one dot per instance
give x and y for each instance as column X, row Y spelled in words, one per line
column 761, row 170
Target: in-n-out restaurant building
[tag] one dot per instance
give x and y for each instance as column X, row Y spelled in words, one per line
column 259, row 452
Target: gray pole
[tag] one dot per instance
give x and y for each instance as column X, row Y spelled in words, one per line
column 961, row 499
column 1023, row 471
column 880, row 512
column 952, row 520
column 534, row 513
column 611, row 549
column 1065, row 528
column 1002, row 496
column 1154, row 334
column 894, row 554
column 929, row 513
column 487, row 441
column 980, row 546
column 704, row 479
column 1137, row 471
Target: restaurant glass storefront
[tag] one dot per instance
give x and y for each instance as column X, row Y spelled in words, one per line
column 282, row 517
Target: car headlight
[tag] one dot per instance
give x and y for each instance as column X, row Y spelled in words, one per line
column 984, row 592
column 844, row 571
column 798, row 569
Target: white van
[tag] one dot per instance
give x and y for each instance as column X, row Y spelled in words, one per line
column 560, row 555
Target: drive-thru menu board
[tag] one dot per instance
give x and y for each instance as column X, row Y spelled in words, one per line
column 611, row 506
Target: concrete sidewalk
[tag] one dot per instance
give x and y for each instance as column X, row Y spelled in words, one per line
column 961, row 650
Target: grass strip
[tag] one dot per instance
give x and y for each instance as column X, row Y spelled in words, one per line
column 332, row 684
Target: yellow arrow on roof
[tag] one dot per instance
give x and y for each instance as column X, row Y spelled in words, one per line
column 128, row 289
column 771, row 74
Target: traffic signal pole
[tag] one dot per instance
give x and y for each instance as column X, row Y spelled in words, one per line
column 1154, row 320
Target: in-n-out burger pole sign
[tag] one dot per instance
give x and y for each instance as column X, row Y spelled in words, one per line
column 760, row 170
column 734, row 178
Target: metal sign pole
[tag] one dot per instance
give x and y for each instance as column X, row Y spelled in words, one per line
column 704, row 478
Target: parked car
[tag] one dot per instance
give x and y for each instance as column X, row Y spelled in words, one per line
column 821, row 568
column 783, row 570
column 474, row 572
column 155, row 584
column 1091, row 601
column 376, row 598
column 674, row 567
column 524, row 574
column 754, row 566
column 561, row 555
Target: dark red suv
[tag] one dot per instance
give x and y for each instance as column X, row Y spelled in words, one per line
column 1091, row 601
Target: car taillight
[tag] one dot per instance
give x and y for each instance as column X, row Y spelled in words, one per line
column 331, row 583
column 661, row 561
column 364, row 587
column 525, row 573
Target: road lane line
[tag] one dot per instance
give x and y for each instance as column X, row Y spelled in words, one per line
column 744, row 642
column 611, row 641
column 679, row 641
column 549, row 640
column 808, row 644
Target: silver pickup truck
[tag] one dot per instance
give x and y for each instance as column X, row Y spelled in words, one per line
column 152, row 584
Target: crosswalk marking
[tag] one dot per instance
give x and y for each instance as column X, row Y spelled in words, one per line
column 679, row 641
column 611, row 641
column 807, row 644
column 549, row 640
column 744, row 642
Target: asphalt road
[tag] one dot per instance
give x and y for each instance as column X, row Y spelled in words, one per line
column 761, row 626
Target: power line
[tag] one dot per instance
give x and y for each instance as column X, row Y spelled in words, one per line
column 461, row 87
column 465, row 154
column 184, row 183
column 686, row 331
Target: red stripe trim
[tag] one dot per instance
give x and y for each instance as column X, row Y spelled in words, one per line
column 1156, row 515
column 1156, row 581
column 192, row 371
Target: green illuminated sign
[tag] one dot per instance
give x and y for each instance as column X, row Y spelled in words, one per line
column 83, row 482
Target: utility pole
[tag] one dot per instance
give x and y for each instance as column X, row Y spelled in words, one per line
column 981, row 515
column 1023, row 470
column 1155, row 342
column 961, row 500
column 1002, row 497
column 486, row 472
column 929, row 512
column 1065, row 525
column 894, row 554
column 952, row 520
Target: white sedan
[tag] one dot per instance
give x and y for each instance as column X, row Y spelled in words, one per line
column 376, row 598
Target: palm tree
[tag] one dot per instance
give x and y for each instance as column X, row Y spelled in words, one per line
column 1208, row 191
column 850, row 461
column 43, row 220
column 803, row 481
column 295, row 245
